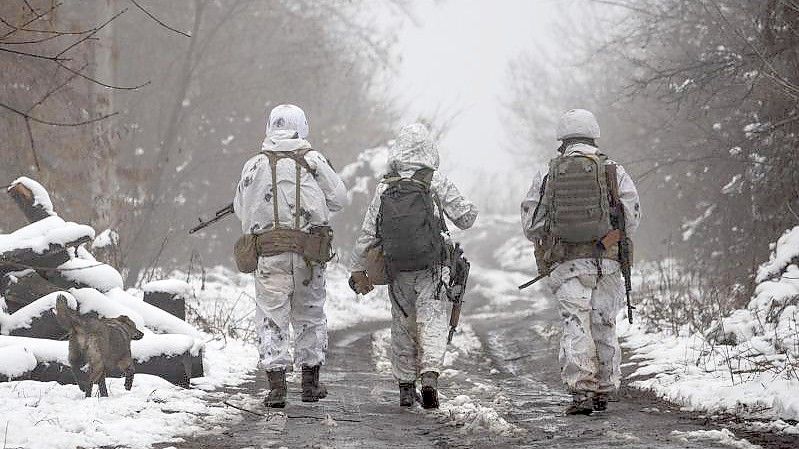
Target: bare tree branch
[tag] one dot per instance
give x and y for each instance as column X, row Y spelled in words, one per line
column 92, row 33
column 54, row 90
column 157, row 20
column 33, row 145
column 48, row 122
column 96, row 81
column 33, row 55
column 15, row 29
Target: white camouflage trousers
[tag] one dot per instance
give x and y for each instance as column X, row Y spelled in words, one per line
column 589, row 348
column 289, row 292
column 418, row 341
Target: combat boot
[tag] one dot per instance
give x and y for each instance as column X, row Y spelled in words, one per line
column 430, row 389
column 277, row 389
column 600, row 402
column 407, row 393
column 581, row 405
column 312, row 389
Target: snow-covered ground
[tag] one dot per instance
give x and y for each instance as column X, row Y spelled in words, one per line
column 47, row 415
column 746, row 363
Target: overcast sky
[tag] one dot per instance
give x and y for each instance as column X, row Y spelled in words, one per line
column 456, row 60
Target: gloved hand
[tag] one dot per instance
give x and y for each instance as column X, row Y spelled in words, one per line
column 360, row 283
column 611, row 238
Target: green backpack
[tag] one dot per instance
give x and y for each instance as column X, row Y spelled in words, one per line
column 578, row 200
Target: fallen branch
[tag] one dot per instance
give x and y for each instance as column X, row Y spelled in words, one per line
column 265, row 415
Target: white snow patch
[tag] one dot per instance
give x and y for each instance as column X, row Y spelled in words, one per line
column 107, row 238
column 22, row 318
column 173, row 286
column 723, row 436
column 40, row 196
column 40, row 235
column 92, row 273
column 17, row 361
column 472, row 417
column 46, row 415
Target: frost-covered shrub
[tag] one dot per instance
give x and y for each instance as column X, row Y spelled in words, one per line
column 670, row 297
column 764, row 336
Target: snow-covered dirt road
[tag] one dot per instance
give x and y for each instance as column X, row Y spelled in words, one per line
column 501, row 389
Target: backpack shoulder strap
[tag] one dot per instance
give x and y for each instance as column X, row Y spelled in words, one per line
column 273, row 159
column 424, row 175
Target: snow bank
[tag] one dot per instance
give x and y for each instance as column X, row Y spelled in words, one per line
column 17, row 361
column 40, row 196
column 786, row 251
column 723, row 437
column 45, row 415
column 40, row 235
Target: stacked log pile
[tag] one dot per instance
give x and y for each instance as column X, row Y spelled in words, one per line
column 48, row 258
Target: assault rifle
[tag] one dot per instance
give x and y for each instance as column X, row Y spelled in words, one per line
column 534, row 280
column 220, row 214
column 619, row 221
column 458, row 277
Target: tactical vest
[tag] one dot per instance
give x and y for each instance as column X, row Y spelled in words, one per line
column 577, row 194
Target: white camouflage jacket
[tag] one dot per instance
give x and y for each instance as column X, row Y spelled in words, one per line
column 533, row 223
column 414, row 149
column 321, row 190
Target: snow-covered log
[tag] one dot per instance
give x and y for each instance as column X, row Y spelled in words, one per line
column 168, row 295
column 32, row 199
column 20, row 288
column 47, row 258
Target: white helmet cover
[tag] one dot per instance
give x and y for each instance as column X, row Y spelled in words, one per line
column 287, row 117
column 577, row 123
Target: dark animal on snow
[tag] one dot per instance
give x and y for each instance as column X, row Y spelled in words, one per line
column 102, row 344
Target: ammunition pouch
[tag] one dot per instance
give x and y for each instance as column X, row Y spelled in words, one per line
column 550, row 251
column 316, row 245
column 376, row 266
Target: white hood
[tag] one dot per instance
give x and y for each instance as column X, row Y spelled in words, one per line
column 413, row 149
column 286, row 121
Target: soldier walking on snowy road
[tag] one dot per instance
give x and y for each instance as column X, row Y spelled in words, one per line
column 406, row 221
column 284, row 200
column 568, row 214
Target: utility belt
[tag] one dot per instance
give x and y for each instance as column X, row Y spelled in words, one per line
column 315, row 245
column 550, row 251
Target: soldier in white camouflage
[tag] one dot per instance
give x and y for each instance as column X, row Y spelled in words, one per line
column 584, row 274
column 419, row 306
